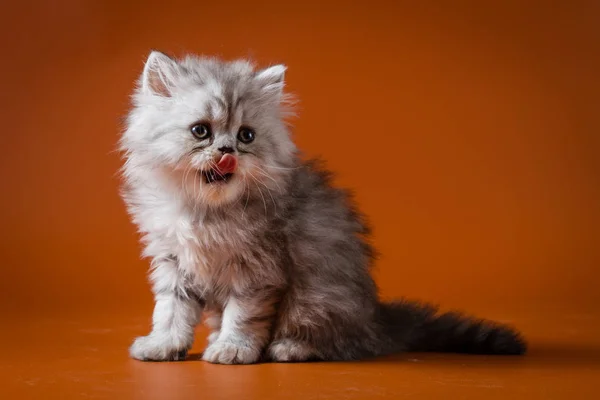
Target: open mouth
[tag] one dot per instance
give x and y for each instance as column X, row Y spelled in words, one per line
column 212, row 176
column 223, row 170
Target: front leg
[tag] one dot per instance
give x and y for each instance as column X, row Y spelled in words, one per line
column 245, row 328
column 176, row 314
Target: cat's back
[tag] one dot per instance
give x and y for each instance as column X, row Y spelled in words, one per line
column 324, row 226
column 321, row 207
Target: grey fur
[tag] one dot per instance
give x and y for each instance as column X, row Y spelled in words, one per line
column 279, row 258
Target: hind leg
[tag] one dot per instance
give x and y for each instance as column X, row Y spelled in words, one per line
column 290, row 350
column 213, row 322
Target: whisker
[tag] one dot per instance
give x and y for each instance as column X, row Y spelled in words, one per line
column 260, row 191
column 266, row 174
column 195, row 195
column 199, row 195
column 278, row 167
column 268, row 191
column 183, row 185
column 184, row 178
column 270, row 194
column 247, row 190
column 239, row 199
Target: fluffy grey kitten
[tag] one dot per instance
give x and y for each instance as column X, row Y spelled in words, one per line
column 242, row 231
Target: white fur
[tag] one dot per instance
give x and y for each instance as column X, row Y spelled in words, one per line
column 169, row 202
column 173, row 320
column 233, row 344
column 231, row 318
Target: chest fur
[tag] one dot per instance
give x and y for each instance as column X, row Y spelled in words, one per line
column 217, row 253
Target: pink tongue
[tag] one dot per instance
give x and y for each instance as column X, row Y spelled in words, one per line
column 226, row 164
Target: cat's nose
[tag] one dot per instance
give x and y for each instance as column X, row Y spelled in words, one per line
column 226, row 149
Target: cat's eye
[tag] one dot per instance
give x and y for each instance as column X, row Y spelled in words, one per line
column 246, row 135
column 201, row 131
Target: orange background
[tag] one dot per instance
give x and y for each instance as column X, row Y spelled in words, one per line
column 469, row 130
column 470, row 134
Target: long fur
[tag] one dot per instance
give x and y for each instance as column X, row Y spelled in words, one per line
column 277, row 260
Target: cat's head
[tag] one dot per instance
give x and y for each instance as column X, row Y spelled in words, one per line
column 215, row 129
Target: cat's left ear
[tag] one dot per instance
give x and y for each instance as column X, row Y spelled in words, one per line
column 271, row 80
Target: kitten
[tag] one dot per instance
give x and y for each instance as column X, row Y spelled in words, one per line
column 241, row 231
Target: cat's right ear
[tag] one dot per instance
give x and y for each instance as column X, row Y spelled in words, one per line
column 160, row 74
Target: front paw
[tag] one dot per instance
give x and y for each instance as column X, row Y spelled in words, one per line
column 230, row 352
column 152, row 348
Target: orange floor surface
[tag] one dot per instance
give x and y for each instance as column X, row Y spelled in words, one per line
column 85, row 357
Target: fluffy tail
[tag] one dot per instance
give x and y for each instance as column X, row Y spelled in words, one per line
column 418, row 327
